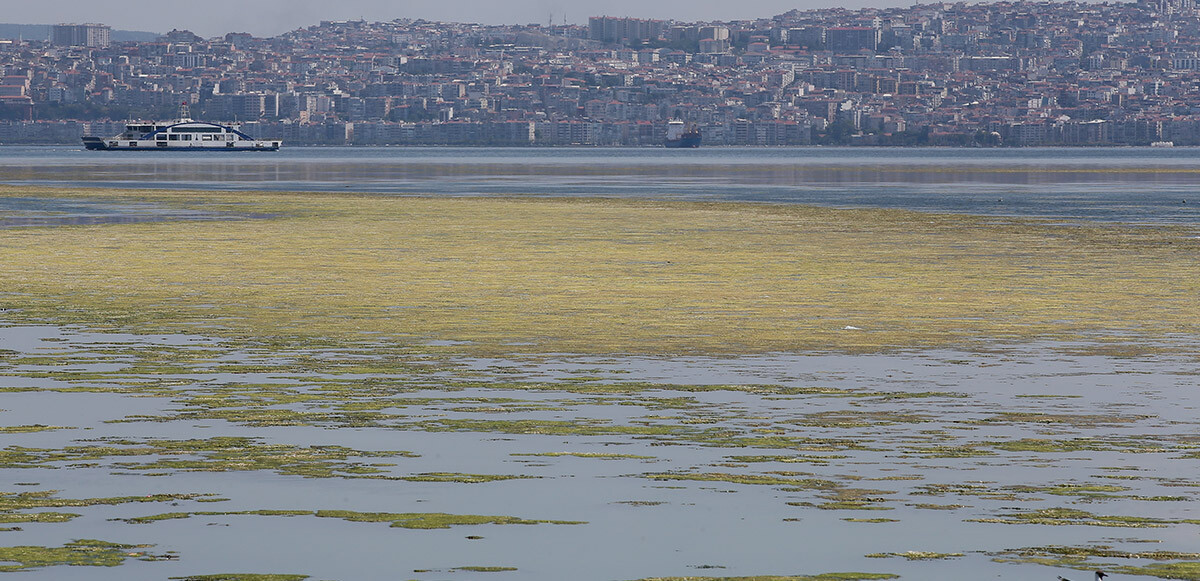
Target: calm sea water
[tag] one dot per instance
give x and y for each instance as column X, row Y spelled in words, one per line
column 1126, row 184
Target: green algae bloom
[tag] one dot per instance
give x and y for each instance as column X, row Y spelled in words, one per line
column 414, row 520
column 218, row 454
column 243, row 577
column 754, row 479
column 1169, row 565
column 434, row 520
column 459, row 477
column 606, row 276
column 916, row 555
column 1189, row 571
column 304, row 348
column 83, row 552
column 28, row 429
column 1070, row 516
column 596, row 455
column 11, row 502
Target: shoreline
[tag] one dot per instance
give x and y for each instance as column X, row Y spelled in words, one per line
column 1068, row 146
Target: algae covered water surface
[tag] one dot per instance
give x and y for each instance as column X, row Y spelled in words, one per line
column 356, row 387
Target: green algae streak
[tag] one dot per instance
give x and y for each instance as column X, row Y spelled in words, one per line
column 408, row 520
column 243, row 577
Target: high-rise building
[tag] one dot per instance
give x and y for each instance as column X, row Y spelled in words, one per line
column 714, row 32
column 852, row 38
column 624, row 30
column 90, row 35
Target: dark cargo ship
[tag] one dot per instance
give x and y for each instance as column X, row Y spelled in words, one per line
column 680, row 135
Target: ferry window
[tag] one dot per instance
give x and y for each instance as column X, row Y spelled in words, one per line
column 229, row 137
column 186, row 137
column 173, row 137
column 161, row 137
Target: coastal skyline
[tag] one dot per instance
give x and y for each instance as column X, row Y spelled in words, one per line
column 1014, row 74
column 273, row 17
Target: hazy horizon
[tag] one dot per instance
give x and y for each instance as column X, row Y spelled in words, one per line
column 273, row 17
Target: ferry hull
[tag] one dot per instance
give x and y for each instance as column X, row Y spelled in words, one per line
column 98, row 144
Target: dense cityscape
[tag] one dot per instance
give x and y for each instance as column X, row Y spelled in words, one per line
column 1004, row 73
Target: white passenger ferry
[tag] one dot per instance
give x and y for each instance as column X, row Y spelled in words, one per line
column 182, row 134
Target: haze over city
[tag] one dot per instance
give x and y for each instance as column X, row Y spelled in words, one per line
column 272, row 17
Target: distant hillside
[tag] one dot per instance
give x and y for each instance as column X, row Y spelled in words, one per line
column 26, row 31
column 134, row 36
column 42, row 32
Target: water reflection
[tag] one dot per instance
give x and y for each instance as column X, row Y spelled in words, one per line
column 1127, row 184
